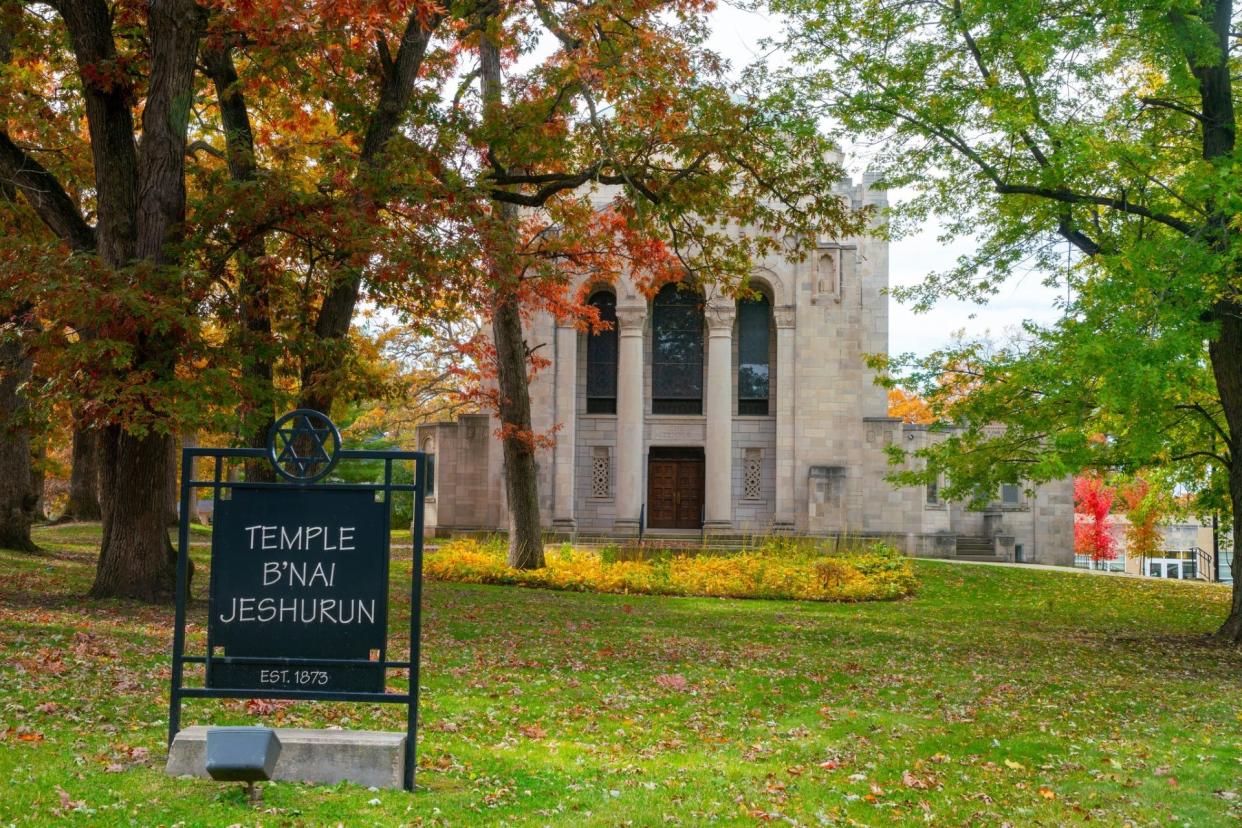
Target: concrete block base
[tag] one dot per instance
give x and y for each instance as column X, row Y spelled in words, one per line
column 370, row 758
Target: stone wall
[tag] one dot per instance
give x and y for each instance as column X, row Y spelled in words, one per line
column 754, row 435
column 596, row 433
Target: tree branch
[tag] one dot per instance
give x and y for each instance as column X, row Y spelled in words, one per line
column 1165, row 103
column 398, row 84
column 1209, row 454
column 1199, row 409
column 1120, row 204
column 44, row 193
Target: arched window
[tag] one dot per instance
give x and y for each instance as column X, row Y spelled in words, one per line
column 754, row 360
column 602, row 357
column 677, row 352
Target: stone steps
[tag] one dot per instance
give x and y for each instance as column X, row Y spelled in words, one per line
column 976, row 549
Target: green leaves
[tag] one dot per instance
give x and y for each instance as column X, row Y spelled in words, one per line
column 1030, row 125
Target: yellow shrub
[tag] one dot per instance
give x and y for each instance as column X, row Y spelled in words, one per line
column 880, row 573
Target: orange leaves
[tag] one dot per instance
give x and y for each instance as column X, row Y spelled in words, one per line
column 910, row 407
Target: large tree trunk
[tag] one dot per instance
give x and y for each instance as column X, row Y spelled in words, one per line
column 16, row 495
column 137, row 559
column 1226, row 353
column 142, row 214
column 517, row 436
column 83, row 501
column 513, row 404
column 1219, row 135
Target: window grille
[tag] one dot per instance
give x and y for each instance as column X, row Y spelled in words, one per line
column 752, row 475
column 601, row 472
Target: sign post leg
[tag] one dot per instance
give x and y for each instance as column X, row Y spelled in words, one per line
column 416, row 609
column 183, row 560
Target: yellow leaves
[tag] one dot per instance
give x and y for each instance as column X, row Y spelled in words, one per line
column 1012, row 765
column 1047, row 793
column 911, row 408
column 743, row 575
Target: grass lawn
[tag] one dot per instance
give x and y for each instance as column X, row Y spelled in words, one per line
column 996, row 696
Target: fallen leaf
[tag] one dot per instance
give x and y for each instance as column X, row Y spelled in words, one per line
column 675, row 681
column 912, row 781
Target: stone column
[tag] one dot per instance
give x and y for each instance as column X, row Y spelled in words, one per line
column 629, row 457
column 718, row 497
column 567, row 418
column 784, row 519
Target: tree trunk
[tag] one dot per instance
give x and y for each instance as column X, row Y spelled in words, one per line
column 337, row 312
column 1226, row 354
column 517, row 436
column 172, row 493
column 16, row 496
column 141, row 198
column 513, row 403
column 1219, row 136
column 1231, row 630
column 38, row 479
column 136, row 560
column 253, row 284
column 83, row 478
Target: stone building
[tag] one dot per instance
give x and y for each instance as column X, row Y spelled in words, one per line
column 701, row 413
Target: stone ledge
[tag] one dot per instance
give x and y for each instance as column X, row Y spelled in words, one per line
column 319, row 757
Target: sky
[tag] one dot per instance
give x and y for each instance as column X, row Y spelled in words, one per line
column 736, row 35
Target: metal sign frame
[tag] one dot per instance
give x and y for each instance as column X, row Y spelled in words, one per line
column 304, row 481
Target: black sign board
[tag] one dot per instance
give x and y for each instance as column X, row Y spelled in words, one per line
column 298, row 596
column 299, row 573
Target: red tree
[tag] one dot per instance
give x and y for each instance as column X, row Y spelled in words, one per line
column 1093, row 500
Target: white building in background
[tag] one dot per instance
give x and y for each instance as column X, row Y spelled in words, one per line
column 1188, row 551
column 700, row 413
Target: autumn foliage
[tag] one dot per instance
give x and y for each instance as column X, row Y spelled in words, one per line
column 876, row 573
column 1145, row 509
column 1093, row 501
column 910, row 407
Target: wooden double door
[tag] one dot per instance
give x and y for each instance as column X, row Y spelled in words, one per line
column 675, row 488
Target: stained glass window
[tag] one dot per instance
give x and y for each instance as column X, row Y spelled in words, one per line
column 754, row 362
column 602, row 358
column 677, row 352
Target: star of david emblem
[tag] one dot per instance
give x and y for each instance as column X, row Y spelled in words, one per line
column 303, row 445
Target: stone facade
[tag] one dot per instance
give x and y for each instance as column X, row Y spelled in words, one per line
column 813, row 464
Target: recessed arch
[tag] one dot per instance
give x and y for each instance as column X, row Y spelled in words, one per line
column 766, row 281
column 677, row 351
column 754, row 354
column 602, row 355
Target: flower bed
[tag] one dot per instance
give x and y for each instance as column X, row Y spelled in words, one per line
column 876, row 572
